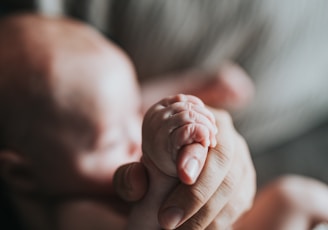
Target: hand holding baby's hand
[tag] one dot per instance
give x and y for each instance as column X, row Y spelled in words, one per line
column 223, row 191
column 179, row 130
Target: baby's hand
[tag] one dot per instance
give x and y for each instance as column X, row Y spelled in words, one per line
column 177, row 132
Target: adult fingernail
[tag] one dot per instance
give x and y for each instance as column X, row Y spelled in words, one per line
column 171, row 217
column 192, row 168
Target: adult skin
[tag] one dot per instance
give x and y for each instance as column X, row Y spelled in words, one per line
column 295, row 202
column 228, row 174
column 231, row 193
column 230, row 185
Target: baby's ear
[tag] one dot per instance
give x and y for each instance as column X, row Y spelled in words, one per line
column 16, row 172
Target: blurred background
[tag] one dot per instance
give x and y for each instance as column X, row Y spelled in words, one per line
column 282, row 45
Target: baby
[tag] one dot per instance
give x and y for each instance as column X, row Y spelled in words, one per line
column 70, row 116
column 172, row 128
column 183, row 125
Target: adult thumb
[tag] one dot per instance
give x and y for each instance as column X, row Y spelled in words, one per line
column 131, row 181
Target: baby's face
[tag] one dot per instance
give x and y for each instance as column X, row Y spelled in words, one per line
column 118, row 134
column 102, row 133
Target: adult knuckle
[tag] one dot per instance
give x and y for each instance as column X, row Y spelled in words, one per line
column 225, row 219
column 195, row 223
column 233, row 211
column 213, row 226
column 224, row 116
column 216, row 224
column 223, row 157
column 226, row 150
column 198, row 195
column 229, row 184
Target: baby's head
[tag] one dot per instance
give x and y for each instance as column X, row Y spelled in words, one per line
column 69, row 107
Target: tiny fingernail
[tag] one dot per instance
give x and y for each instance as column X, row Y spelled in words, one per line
column 207, row 143
column 214, row 142
column 171, row 217
column 192, row 168
column 215, row 129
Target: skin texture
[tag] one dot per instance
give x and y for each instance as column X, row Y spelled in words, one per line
column 228, row 87
column 75, row 131
column 289, row 202
column 71, row 59
column 78, row 112
column 176, row 126
column 219, row 203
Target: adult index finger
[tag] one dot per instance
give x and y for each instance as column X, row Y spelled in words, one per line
column 186, row 200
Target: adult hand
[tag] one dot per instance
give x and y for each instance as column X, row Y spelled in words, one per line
column 222, row 193
column 290, row 202
column 229, row 87
column 226, row 186
column 224, row 189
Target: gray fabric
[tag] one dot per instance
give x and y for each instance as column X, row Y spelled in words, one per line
column 306, row 155
column 282, row 45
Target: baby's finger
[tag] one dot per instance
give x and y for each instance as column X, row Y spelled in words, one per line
column 188, row 134
column 181, row 98
column 187, row 106
column 195, row 114
column 189, row 117
column 186, row 111
column 169, row 106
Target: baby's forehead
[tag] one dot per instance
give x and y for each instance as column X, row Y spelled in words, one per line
column 67, row 61
column 92, row 80
column 70, row 84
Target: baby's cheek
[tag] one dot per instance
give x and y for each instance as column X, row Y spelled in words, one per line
column 101, row 167
column 93, row 168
